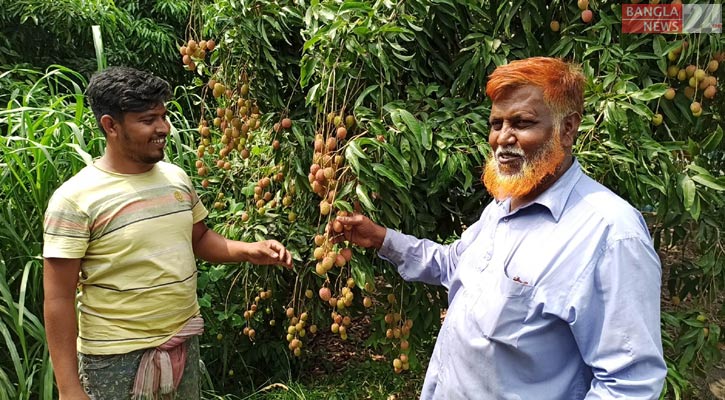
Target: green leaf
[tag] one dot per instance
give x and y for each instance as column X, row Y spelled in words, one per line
column 346, row 190
column 362, row 195
column 84, row 155
column 307, row 67
column 696, row 209
column 364, row 94
column 353, row 149
column 313, row 40
column 424, row 135
column 205, row 301
column 592, row 49
column 709, row 181
column 650, row 92
column 563, row 47
column 342, row 205
column 403, row 57
column 98, row 45
column 659, row 45
column 688, row 192
column 390, row 174
column 654, row 182
column 713, row 140
column 312, row 94
column 638, row 108
column 355, row 5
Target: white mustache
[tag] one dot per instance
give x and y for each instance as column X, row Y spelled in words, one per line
column 510, row 151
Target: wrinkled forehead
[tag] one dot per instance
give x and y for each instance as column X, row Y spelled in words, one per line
column 520, row 99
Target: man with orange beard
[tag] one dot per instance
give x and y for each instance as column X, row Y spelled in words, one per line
column 554, row 292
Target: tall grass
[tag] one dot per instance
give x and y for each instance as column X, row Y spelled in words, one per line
column 48, row 134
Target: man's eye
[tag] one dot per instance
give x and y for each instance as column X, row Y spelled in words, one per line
column 495, row 125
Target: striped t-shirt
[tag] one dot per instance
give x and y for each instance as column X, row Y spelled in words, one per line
column 132, row 232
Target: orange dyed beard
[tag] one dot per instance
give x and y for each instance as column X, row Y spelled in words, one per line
column 502, row 184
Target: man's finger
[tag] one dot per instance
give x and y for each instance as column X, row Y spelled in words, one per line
column 336, row 238
column 354, row 220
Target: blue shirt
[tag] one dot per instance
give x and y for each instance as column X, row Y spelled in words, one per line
column 559, row 299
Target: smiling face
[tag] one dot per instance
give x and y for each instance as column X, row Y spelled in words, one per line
column 530, row 151
column 136, row 142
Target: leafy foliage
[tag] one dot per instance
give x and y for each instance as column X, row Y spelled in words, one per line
column 413, row 75
column 140, row 33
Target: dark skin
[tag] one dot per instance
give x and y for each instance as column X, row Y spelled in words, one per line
column 520, row 119
column 135, row 143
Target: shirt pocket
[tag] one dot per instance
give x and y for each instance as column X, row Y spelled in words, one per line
column 500, row 312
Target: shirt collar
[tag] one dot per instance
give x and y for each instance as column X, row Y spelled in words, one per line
column 555, row 197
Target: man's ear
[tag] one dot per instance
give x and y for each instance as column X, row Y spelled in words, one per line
column 570, row 128
column 109, row 125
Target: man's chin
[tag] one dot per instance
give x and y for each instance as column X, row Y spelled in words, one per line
column 152, row 160
column 508, row 172
column 504, row 181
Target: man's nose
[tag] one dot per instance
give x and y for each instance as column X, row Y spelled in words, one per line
column 506, row 136
column 163, row 127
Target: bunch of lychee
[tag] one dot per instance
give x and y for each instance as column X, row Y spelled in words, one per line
column 235, row 119
column 327, row 160
column 192, row 52
column 587, row 15
column 325, row 251
column 345, row 299
column 398, row 332
column 296, row 330
column 236, row 124
column 248, row 330
column 220, row 201
column 285, row 123
column 340, row 315
column 696, row 80
column 262, row 195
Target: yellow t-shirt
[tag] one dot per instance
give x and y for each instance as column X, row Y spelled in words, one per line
column 133, row 236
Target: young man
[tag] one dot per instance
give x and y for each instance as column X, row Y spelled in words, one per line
column 125, row 231
column 554, row 293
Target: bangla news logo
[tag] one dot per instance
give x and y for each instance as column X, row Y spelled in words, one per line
column 672, row 18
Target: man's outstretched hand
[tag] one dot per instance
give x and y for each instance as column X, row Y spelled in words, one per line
column 268, row 252
column 360, row 231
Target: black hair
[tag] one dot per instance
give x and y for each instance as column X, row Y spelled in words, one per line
column 118, row 90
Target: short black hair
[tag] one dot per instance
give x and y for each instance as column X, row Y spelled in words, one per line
column 118, row 90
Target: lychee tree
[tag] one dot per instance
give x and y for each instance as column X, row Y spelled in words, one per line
column 311, row 110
